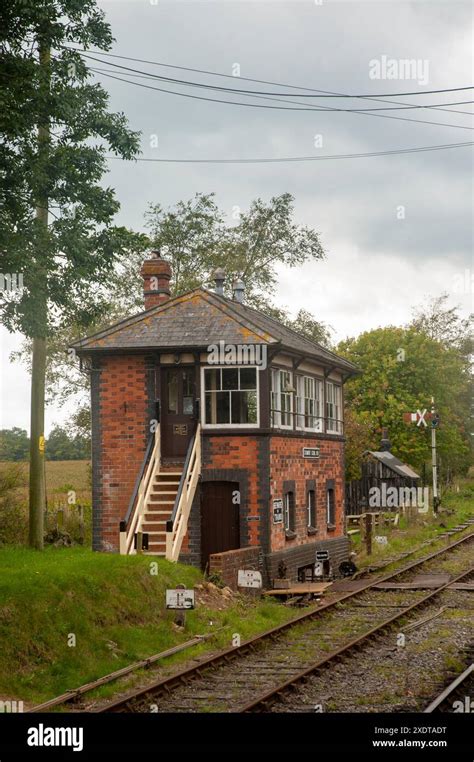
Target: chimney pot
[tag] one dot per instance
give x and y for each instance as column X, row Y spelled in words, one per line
column 156, row 274
column 219, row 278
column 239, row 290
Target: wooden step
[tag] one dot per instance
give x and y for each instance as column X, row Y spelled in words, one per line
column 159, row 547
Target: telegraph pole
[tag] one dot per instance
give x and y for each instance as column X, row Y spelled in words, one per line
column 37, row 486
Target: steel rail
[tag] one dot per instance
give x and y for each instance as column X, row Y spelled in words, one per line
column 275, row 694
column 460, row 679
column 167, row 684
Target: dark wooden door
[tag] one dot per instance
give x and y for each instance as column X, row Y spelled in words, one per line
column 177, row 410
column 219, row 519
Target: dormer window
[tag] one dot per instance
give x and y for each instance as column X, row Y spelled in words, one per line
column 230, row 396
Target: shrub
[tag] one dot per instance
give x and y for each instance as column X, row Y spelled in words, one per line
column 13, row 510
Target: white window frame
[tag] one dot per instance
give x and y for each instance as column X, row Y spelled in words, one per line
column 277, row 412
column 336, row 402
column 328, row 505
column 308, row 508
column 301, row 398
column 286, row 508
column 206, row 425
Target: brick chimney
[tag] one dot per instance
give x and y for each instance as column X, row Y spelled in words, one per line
column 156, row 274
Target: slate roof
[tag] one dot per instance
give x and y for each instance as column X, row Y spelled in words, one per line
column 394, row 464
column 200, row 318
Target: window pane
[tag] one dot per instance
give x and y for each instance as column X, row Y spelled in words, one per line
column 217, row 407
column 188, row 405
column 212, row 378
column 248, row 378
column 188, row 382
column 230, row 378
column 172, row 391
column 244, row 407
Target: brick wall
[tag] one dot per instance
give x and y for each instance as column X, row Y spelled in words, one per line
column 243, row 459
column 228, row 564
column 287, row 464
column 123, row 399
column 303, row 555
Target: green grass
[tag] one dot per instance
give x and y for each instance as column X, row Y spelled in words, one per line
column 113, row 606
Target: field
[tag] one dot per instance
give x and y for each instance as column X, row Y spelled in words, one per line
column 68, row 495
column 61, row 476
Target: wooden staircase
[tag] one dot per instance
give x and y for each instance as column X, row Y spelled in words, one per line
column 159, row 508
column 161, row 501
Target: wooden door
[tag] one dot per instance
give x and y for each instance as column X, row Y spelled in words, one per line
column 219, row 519
column 177, row 410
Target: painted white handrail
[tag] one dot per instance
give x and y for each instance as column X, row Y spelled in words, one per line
column 175, row 535
column 136, row 519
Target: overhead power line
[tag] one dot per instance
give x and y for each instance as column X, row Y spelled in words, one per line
column 279, row 108
column 324, row 94
column 317, row 107
column 278, row 160
column 262, row 82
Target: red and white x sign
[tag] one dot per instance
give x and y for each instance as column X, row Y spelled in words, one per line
column 420, row 417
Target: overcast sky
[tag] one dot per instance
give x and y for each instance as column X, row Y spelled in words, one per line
column 378, row 265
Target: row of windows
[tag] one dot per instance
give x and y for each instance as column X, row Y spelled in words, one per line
column 231, row 399
column 311, row 517
column 308, row 402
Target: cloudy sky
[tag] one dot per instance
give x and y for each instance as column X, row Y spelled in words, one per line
column 396, row 229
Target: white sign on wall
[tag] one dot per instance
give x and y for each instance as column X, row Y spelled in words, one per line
column 278, row 511
column 249, row 578
column 381, row 539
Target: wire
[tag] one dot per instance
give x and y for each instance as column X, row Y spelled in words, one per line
column 420, row 149
column 319, row 108
column 278, row 108
column 260, row 92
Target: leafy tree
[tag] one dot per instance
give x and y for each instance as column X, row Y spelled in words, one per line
column 62, row 445
column 55, row 216
column 445, row 324
column 14, row 444
column 402, row 369
column 194, row 238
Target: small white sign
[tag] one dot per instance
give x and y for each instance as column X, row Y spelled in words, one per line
column 278, row 511
column 311, row 452
column 381, row 539
column 249, row 578
column 322, row 555
column 180, row 599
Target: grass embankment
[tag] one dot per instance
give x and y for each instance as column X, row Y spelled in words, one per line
column 115, row 608
column 455, row 509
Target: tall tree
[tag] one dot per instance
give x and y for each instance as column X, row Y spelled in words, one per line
column 402, row 369
column 194, row 237
column 55, row 215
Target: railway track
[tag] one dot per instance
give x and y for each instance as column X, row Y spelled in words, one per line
column 458, row 696
column 259, row 672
